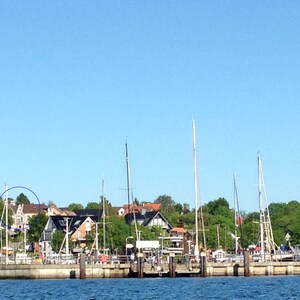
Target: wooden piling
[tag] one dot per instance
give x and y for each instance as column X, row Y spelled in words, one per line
column 140, row 265
column 82, row 265
column 172, row 265
column 246, row 263
column 203, row 265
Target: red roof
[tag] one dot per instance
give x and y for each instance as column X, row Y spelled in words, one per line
column 178, row 230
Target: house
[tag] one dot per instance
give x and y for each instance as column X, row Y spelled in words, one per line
column 148, row 219
column 145, row 207
column 78, row 228
column 59, row 211
column 181, row 239
column 23, row 212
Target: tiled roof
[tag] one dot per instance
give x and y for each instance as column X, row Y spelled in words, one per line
column 178, row 230
column 33, row 208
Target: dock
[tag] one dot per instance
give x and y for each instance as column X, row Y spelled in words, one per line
column 125, row 270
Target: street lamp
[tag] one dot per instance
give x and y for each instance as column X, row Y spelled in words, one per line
column 128, row 246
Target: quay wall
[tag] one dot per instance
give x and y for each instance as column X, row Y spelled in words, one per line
column 255, row 269
column 123, row 270
column 63, row 271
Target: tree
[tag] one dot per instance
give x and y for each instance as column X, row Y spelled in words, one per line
column 51, row 203
column 57, row 240
column 37, row 225
column 166, row 203
column 116, row 234
column 93, row 205
column 10, row 212
column 22, row 199
column 109, row 211
column 75, row 206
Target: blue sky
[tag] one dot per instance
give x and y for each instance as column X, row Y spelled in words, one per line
column 80, row 78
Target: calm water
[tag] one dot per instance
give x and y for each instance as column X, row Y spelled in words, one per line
column 287, row 287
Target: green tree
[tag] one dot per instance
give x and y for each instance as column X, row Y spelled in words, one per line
column 93, row 205
column 116, row 234
column 169, row 209
column 57, row 240
column 109, row 211
column 10, row 213
column 37, row 225
column 166, row 203
column 22, row 199
column 75, row 206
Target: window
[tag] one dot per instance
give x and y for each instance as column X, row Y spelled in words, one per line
column 62, row 222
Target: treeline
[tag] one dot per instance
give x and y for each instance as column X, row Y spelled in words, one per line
column 219, row 224
column 218, row 217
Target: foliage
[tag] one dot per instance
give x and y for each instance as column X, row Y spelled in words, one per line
column 169, row 208
column 10, row 213
column 37, row 224
column 285, row 219
column 109, row 211
column 51, row 203
column 57, row 239
column 93, row 205
column 218, row 219
column 166, row 203
column 75, row 206
column 116, row 234
column 22, row 199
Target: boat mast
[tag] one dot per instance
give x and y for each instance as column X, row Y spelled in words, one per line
column 103, row 217
column 261, row 210
column 67, row 235
column 196, row 250
column 6, row 223
column 129, row 188
column 265, row 220
column 236, row 216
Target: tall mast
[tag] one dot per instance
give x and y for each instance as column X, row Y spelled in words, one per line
column 67, row 235
column 261, row 210
column 6, row 223
column 103, row 216
column 128, row 177
column 128, row 186
column 196, row 250
column 235, row 214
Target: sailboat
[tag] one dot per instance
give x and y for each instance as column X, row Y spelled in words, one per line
column 268, row 249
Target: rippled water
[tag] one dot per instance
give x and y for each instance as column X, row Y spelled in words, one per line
column 287, row 287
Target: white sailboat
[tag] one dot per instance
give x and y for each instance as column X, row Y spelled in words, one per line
column 269, row 250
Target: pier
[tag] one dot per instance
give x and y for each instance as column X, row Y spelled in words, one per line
column 124, row 270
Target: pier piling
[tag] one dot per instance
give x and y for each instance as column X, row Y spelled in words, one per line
column 203, row 265
column 172, row 265
column 140, row 267
column 82, row 274
column 246, row 263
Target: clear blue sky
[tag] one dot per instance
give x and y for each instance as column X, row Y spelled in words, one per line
column 79, row 78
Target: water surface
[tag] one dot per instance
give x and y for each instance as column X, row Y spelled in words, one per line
column 285, row 287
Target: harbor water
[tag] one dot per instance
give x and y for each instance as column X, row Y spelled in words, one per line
column 271, row 287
